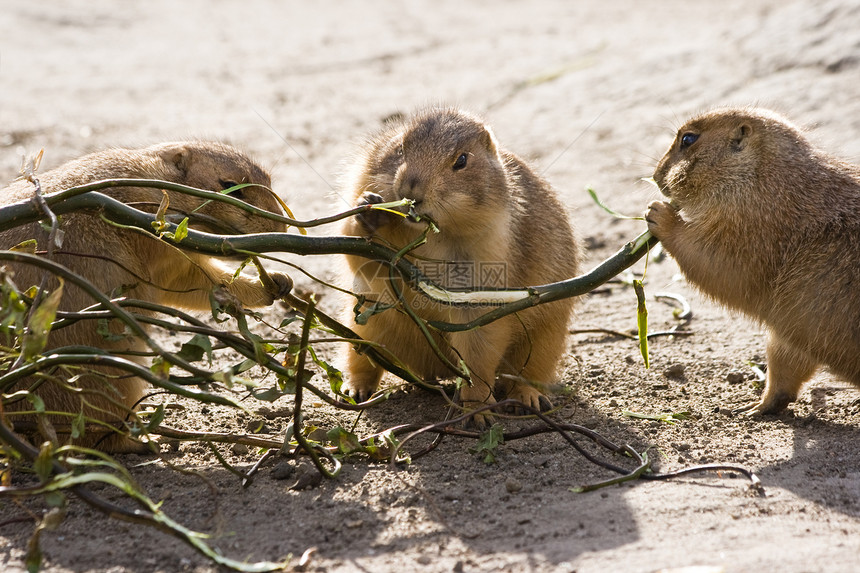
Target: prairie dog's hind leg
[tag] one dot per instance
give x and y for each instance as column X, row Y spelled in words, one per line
column 787, row 369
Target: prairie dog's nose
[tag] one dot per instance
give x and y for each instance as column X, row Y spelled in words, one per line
column 411, row 186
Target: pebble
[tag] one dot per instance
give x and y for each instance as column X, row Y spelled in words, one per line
column 257, row 427
column 283, row 470
column 675, row 370
column 308, row 478
column 513, row 485
column 240, row 449
column 735, row 377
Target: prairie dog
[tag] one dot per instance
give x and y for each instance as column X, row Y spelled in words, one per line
column 144, row 266
column 501, row 226
column 767, row 224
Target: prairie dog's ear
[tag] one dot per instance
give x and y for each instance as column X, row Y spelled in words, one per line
column 489, row 141
column 177, row 155
column 740, row 137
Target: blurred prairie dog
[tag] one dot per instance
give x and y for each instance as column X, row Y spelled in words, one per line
column 767, row 224
column 144, row 266
column 501, row 226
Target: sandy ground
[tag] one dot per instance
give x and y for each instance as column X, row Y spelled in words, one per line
column 591, row 93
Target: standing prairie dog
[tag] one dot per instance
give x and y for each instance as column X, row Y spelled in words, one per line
column 501, row 226
column 145, row 267
column 767, row 224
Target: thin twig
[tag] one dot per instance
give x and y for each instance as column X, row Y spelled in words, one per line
column 683, row 313
column 670, row 332
column 297, row 408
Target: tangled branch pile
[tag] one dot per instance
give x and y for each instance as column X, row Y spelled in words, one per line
column 29, row 313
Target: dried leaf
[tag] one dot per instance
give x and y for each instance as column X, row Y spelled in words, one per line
column 29, row 246
column 160, row 224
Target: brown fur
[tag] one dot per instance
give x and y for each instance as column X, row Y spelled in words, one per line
column 494, row 210
column 767, row 224
column 147, row 268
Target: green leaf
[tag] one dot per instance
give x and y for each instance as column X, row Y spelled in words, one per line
column 288, row 321
column 216, row 308
column 287, row 384
column 38, row 403
column 224, row 376
column 268, row 395
column 362, row 316
column 43, row 464
column 346, row 442
column 241, row 267
column 79, row 424
column 608, row 209
column 642, row 320
column 160, row 367
column 245, row 365
column 489, row 442
column 394, row 445
column 260, row 348
column 55, row 499
column 33, row 559
column 13, row 309
column 181, row 230
column 307, row 375
column 156, row 418
column 194, row 349
column 191, row 352
column 39, row 326
column 335, row 376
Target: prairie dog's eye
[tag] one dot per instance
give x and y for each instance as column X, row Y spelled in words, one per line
column 688, row 139
column 461, row 162
column 228, row 184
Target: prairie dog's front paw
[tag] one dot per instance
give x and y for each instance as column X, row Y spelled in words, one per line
column 371, row 220
column 282, row 285
column 531, row 397
column 473, row 397
column 275, row 287
column 662, row 218
column 359, row 393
